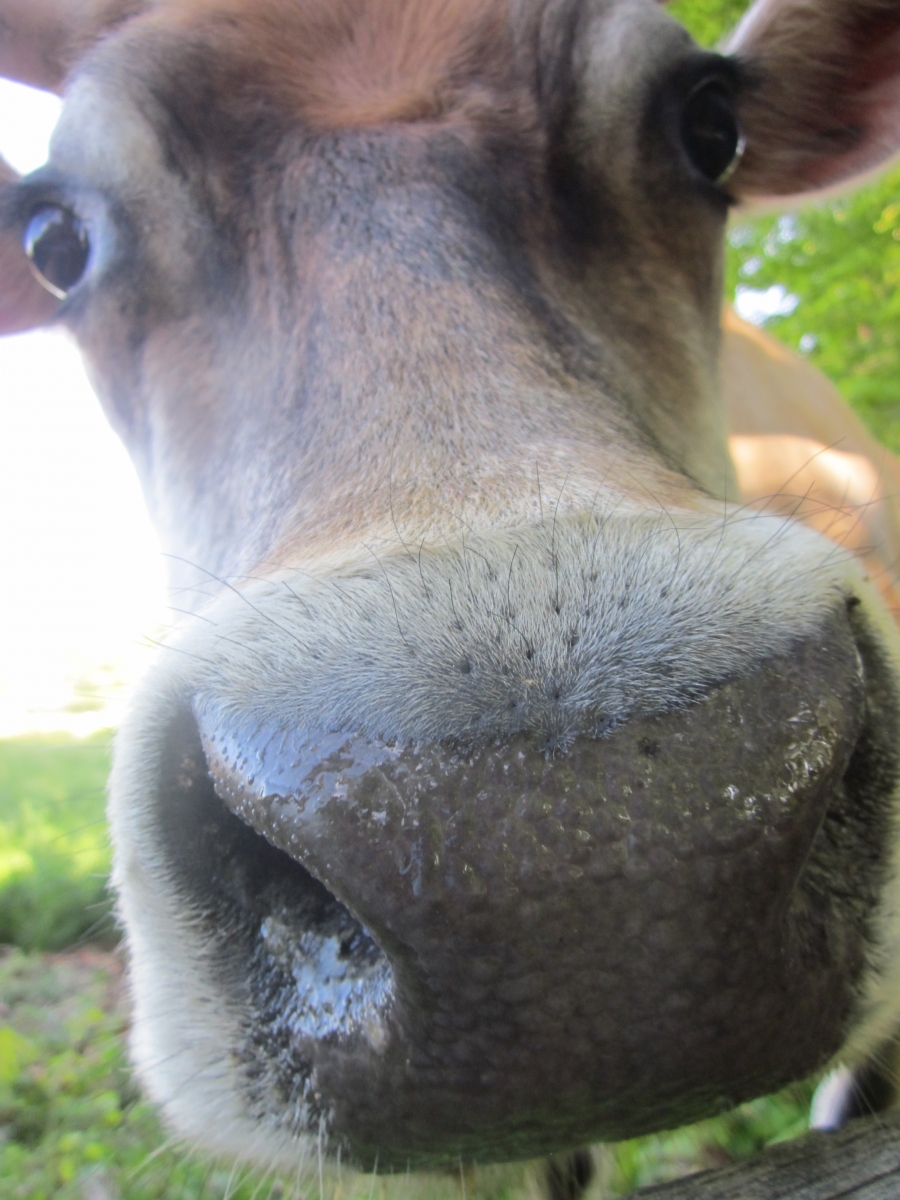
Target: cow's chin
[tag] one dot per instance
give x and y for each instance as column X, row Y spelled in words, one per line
column 423, row 955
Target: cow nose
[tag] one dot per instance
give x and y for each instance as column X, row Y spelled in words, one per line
column 487, row 946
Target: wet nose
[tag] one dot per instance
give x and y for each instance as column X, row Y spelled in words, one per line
column 635, row 927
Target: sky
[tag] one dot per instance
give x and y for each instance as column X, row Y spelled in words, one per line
column 81, row 576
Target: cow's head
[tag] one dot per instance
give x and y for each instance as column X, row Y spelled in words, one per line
column 510, row 785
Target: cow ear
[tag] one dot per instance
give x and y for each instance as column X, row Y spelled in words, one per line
column 24, row 303
column 822, row 102
column 40, row 40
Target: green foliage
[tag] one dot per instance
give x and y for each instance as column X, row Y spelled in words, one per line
column 841, row 259
column 708, row 20
column 72, row 1122
column 736, row 1135
column 54, row 845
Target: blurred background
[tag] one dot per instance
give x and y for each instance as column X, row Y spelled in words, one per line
column 82, row 605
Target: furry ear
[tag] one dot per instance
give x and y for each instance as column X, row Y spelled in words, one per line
column 823, row 98
column 41, row 39
column 24, row 304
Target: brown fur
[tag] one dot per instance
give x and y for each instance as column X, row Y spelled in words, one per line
column 337, row 63
column 799, row 449
column 333, row 62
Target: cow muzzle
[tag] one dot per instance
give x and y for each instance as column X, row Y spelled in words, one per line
column 443, row 951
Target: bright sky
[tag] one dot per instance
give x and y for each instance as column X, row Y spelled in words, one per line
column 82, row 577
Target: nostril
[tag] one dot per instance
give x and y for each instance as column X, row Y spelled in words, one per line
column 328, row 980
column 301, row 951
column 392, row 917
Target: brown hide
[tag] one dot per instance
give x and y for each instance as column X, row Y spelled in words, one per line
column 798, row 448
column 406, row 60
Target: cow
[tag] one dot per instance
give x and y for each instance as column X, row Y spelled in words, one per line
column 509, row 785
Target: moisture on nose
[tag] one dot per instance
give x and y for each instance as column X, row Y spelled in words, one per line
column 636, row 928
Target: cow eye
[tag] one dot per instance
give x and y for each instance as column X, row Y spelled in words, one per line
column 710, row 131
column 58, row 246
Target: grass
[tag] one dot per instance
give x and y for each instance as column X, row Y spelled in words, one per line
column 54, row 846
column 73, row 1124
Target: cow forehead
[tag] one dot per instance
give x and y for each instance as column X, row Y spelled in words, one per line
column 333, row 64
column 220, row 82
column 496, row 377
column 209, row 88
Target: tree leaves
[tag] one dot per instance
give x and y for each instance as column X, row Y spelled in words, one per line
column 841, row 260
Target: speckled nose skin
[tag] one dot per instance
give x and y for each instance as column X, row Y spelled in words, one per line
column 490, row 953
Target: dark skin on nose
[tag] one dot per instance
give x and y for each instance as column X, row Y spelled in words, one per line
column 494, row 932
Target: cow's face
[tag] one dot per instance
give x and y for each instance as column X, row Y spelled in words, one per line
column 510, row 786
column 321, row 317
